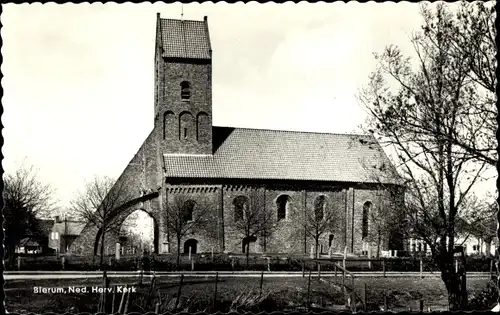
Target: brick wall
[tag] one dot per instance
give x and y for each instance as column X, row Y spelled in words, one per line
column 176, row 116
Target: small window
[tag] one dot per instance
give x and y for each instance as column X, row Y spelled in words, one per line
column 282, row 205
column 240, row 204
column 319, row 208
column 366, row 210
column 185, row 90
column 185, row 133
column 187, row 210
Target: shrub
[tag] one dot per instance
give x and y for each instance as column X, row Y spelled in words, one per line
column 485, row 299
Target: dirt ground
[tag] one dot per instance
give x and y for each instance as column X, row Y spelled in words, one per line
column 233, row 294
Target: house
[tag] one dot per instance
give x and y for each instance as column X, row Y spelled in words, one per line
column 64, row 232
column 36, row 243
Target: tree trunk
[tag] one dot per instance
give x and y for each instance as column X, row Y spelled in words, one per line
column 456, row 287
column 178, row 251
column 247, row 252
column 488, row 248
column 316, row 240
column 101, row 260
column 378, row 244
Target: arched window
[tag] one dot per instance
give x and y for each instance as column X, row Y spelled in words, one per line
column 185, row 90
column 202, row 127
column 282, row 206
column 187, row 210
column 168, row 124
column 366, row 211
column 319, row 208
column 186, row 126
column 241, row 204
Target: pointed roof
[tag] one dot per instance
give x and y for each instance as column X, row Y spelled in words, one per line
column 241, row 153
column 185, row 39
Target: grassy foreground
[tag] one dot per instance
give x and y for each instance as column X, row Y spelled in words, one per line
column 233, row 294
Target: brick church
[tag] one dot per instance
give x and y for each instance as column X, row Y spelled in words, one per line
column 292, row 177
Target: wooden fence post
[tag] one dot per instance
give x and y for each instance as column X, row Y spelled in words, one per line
column 309, row 291
column 18, row 262
column 123, row 299
column 353, row 301
column 335, row 268
column 383, row 266
column 319, row 270
column 421, row 308
column 62, row 262
column 261, row 282
column 386, row 309
column 192, row 265
column 364, row 297
column 343, row 279
column 303, row 269
column 125, row 311
column 345, row 257
column 113, row 300
column 215, row 290
column 491, row 269
column 106, row 286
column 179, row 292
column 421, row 268
column 268, row 264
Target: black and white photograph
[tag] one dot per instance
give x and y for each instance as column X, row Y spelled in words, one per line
column 215, row 157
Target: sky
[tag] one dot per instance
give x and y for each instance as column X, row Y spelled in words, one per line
column 78, row 78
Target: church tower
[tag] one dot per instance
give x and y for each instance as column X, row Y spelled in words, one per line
column 183, row 86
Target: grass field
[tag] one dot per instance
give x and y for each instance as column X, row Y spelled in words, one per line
column 233, row 294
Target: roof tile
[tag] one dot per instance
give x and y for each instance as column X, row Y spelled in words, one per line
column 185, row 39
column 286, row 155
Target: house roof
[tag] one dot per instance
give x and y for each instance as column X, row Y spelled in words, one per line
column 185, row 39
column 69, row 227
column 241, row 153
column 46, row 226
column 28, row 241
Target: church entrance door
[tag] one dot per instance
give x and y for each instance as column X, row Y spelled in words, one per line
column 190, row 244
column 247, row 243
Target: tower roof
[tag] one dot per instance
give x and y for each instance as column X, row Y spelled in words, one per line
column 185, row 39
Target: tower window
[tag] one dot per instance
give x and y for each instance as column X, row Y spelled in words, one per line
column 185, row 90
column 185, row 133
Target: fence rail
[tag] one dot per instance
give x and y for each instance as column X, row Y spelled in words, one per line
column 222, row 262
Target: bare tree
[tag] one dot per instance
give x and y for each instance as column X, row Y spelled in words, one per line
column 318, row 220
column 472, row 38
column 422, row 119
column 381, row 223
column 100, row 203
column 184, row 215
column 252, row 218
column 26, row 200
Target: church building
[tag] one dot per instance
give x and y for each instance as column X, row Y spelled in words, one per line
column 338, row 191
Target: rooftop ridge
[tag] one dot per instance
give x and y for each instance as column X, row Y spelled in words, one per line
column 298, row 131
column 183, row 20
